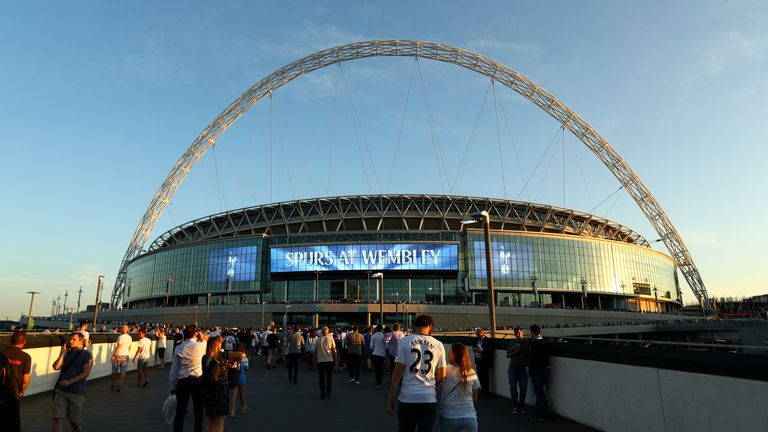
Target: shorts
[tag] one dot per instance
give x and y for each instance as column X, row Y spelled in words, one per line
column 120, row 365
column 68, row 405
column 160, row 353
column 143, row 363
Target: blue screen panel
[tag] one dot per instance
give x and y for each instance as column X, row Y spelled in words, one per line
column 355, row 257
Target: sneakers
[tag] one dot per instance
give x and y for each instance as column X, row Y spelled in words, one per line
column 515, row 410
column 244, row 409
column 232, row 414
column 146, row 383
column 522, row 410
column 351, row 380
column 378, row 387
column 357, row 382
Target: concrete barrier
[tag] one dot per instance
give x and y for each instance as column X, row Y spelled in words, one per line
column 43, row 377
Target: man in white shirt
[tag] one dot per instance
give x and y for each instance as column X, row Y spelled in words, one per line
column 143, row 353
column 325, row 358
column 378, row 355
column 185, row 379
column 120, row 359
column 420, row 362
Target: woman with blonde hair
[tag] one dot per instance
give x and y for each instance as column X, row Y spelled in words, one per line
column 215, row 383
column 458, row 393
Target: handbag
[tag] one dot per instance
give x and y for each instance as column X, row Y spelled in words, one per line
column 169, row 409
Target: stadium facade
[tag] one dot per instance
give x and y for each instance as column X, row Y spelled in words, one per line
column 326, row 250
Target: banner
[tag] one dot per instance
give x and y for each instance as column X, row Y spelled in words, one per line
column 373, row 257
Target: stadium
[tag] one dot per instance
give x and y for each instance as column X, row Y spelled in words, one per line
column 338, row 250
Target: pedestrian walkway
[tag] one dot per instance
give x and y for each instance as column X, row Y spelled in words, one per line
column 274, row 404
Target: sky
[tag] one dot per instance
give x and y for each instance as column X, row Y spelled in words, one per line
column 99, row 99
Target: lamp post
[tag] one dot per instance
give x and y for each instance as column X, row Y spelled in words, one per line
column 317, row 286
column 476, row 217
column 656, row 295
column 130, row 284
column 66, row 294
column 381, row 295
column 99, row 287
column 53, row 307
column 195, row 315
column 583, row 292
column 208, row 310
column 285, row 316
column 168, row 283
column 263, row 307
column 71, row 311
column 397, row 303
column 79, row 293
column 30, row 322
column 58, row 304
column 535, row 290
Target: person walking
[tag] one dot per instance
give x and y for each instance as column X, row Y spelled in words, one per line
column 312, row 339
column 216, row 393
column 273, row 340
column 378, row 354
column 162, row 341
column 15, row 376
column 420, row 364
column 354, row 342
column 484, row 353
column 458, row 393
column 325, row 358
column 143, row 353
column 185, row 378
column 296, row 346
column 239, row 385
column 518, row 353
column 75, row 363
column 538, row 367
column 120, row 359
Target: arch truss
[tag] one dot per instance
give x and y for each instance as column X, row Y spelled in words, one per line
column 438, row 52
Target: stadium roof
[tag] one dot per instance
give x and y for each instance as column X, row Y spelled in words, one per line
column 363, row 213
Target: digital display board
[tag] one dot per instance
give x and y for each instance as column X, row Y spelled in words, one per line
column 351, row 257
column 232, row 264
column 508, row 261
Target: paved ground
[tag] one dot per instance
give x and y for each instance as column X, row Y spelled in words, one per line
column 275, row 405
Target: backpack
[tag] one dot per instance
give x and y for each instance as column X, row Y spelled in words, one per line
column 6, row 375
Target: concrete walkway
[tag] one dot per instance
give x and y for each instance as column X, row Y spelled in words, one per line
column 275, row 405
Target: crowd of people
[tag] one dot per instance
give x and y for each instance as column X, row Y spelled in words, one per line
column 209, row 365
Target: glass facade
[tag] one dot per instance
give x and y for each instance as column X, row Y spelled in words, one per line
column 182, row 274
column 238, row 271
column 564, row 263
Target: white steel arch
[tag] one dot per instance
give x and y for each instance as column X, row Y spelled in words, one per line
column 433, row 51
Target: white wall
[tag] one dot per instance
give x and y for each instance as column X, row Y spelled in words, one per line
column 43, row 377
column 617, row 397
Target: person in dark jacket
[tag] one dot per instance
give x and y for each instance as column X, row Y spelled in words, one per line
column 484, row 352
column 538, row 368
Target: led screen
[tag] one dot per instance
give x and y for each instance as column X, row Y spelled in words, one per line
column 237, row 264
column 337, row 257
column 509, row 261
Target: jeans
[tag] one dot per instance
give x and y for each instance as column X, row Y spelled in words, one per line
column 411, row 415
column 458, row 425
column 484, row 375
column 325, row 369
column 378, row 368
column 539, row 378
column 353, row 363
column 293, row 367
column 186, row 388
column 518, row 378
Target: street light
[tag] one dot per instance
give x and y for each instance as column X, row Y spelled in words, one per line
column 99, row 287
column 208, row 310
column 381, row 295
column 168, row 283
column 583, row 292
column 263, row 306
column 30, row 321
column 482, row 216
column 535, row 290
column 656, row 294
column 285, row 316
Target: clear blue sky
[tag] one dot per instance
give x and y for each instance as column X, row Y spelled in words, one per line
column 99, row 99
